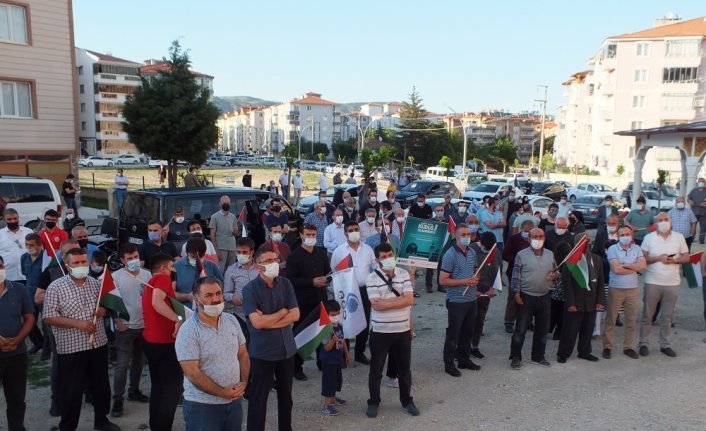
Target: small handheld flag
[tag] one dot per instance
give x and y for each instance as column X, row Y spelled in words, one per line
column 110, row 296
column 577, row 264
column 692, row 270
column 345, row 263
column 312, row 331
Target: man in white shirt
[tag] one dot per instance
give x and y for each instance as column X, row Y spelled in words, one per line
column 565, row 206
column 367, row 226
column 12, row 245
column 323, row 182
column 664, row 251
column 298, row 184
column 121, row 183
column 195, row 229
column 284, row 183
column 363, row 262
column 333, row 234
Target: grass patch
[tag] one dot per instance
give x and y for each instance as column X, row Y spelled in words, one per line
column 94, row 202
column 38, row 373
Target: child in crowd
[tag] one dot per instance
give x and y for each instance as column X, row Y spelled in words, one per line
column 334, row 356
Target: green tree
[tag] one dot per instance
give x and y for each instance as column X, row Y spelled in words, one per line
column 291, row 151
column 447, row 163
column 502, row 151
column 661, row 179
column 547, row 163
column 372, row 159
column 321, row 156
column 620, row 170
column 345, row 149
column 170, row 117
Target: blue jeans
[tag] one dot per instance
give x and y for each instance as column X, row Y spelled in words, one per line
column 71, row 203
column 120, row 197
column 213, row 417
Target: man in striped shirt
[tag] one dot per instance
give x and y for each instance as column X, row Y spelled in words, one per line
column 390, row 293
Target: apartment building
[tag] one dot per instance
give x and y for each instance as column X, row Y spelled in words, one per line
column 104, row 83
column 243, row 130
column 649, row 78
column 38, row 106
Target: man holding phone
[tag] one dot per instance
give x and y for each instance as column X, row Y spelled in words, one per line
column 664, row 251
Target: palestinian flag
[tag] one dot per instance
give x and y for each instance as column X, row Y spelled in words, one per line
column 180, row 309
column 452, row 226
column 243, row 219
column 692, row 270
column 312, row 331
column 577, row 264
column 488, row 269
column 110, row 298
column 345, row 263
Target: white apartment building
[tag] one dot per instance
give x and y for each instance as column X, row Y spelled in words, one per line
column 650, row 78
column 38, row 115
column 244, row 130
column 104, row 82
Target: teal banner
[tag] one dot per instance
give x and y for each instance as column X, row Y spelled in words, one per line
column 422, row 243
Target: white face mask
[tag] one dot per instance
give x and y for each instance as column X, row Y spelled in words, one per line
column 335, row 320
column 680, row 205
column 559, row 231
column 213, row 310
column 200, row 232
column 354, row 236
column 309, row 242
column 79, row 272
column 537, row 243
column 664, row 226
column 277, row 237
column 70, row 216
column 339, row 219
column 192, row 262
column 373, row 199
column 179, row 219
column 400, row 219
column 370, row 220
column 322, row 210
column 420, row 204
column 243, row 258
column 612, row 229
column 700, row 184
column 462, row 209
column 271, row 270
column 389, row 263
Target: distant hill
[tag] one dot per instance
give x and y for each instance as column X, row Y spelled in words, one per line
column 231, row 103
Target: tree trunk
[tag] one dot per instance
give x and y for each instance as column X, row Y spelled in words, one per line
column 171, row 173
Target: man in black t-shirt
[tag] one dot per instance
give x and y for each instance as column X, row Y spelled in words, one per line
column 156, row 244
column 247, row 179
column 421, row 209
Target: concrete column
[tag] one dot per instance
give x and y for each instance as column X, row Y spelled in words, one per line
column 639, row 163
column 693, row 166
column 684, row 176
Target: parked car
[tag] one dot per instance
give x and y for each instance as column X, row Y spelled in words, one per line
column 590, row 189
column 541, row 204
column 357, row 170
column 411, row 172
column 653, row 201
column 383, row 173
column 127, row 159
column 156, row 162
column 588, row 206
column 306, row 202
column 548, row 189
column 490, row 188
column 431, row 189
column 95, row 161
column 308, row 165
column 342, row 168
column 217, row 161
column 158, row 204
column 567, row 185
column 30, row 196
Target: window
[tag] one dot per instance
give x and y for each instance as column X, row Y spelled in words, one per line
column 13, row 23
column 15, row 99
column 611, row 50
column 642, row 49
column 677, row 101
column 83, row 107
column 635, row 125
column 80, row 70
column 588, row 129
column 631, row 152
column 18, row 192
column 83, row 126
column 679, row 75
column 683, row 48
column 81, row 89
column 591, row 88
column 640, row 75
column 638, row 101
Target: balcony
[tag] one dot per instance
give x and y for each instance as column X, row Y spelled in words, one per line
column 109, row 78
column 111, row 134
column 109, row 116
column 110, row 98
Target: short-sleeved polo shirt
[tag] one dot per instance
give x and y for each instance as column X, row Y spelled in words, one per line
column 640, row 220
column 14, row 304
column 459, row 265
column 269, row 344
column 224, row 225
column 624, row 257
column 216, row 349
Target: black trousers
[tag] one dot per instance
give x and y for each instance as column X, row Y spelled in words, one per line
column 244, row 328
column 35, row 335
column 483, row 305
column 362, row 339
column 459, row 332
column 76, row 371
column 262, row 375
column 577, row 324
column 167, row 379
column 13, row 377
column 556, row 317
column 510, row 307
column 304, row 310
column 399, row 347
column 539, row 309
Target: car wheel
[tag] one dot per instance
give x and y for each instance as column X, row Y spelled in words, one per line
column 136, row 162
column 119, row 162
column 90, row 163
column 110, row 164
column 209, row 164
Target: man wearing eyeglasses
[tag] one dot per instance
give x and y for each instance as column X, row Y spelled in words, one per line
column 12, row 245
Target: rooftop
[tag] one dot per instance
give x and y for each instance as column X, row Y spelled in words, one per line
column 311, row 98
column 692, row 27
column 698, row 127
column 153, row 67
column 110, row 59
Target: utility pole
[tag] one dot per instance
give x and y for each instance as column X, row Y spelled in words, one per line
column 541, row 134
column 465, row 139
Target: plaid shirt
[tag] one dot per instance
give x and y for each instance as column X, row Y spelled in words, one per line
column 320, row 223
column 65, row 298
column 682, row 220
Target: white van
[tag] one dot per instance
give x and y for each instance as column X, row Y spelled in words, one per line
column 438, row 173
column 30, row 196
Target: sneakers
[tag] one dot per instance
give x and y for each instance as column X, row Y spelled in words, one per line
column 644, row 351
column 138, row 397
column 372, row 411
column 411, row 409
column 117, row 409
column 299, row 375
column 606, row 353
column 669, row 352
column 630, row 353
column 516, row 363
column 339, row 402
column 330, row 411
column 541, row 361
column 477, row 354
column 561, row 359
column 392, row 383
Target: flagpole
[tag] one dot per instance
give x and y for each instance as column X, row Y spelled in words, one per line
column 98, row 302
column 54, row 252
column 584, row 239
column 490, row 253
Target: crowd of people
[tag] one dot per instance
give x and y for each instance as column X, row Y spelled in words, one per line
column 215, row 317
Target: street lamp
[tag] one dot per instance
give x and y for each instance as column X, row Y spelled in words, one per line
column 363, row 132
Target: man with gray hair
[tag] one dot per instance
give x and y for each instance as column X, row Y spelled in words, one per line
column 80, row 234
column 683, row 220
column 224, row 229
column 367, row 226
column 664, row 251
column 12, row 245
column 559, row 234
column 318, row 219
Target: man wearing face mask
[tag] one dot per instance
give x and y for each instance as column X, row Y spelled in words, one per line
column 277, row 216
column 297, row 184
column 560, row 233
column 370, row 202
column 192, row 268
column 237, row 276
column 51, row 235
column 664, row 251
column 429, row 276
column 129, row 281
column 71, row 221
column 604, row 211
column 271, row 308
column 161, row 326
column 367, row 226
column 526, row 215
column 398, row 225
column 318, row 219
column 31, row 265
column 532, row 278
column 80, row 234
column 280, row 248
column 511, row 205
column 697, row 202
column 307, row 269
column 548, row 222
column 460, row 215
column 12, row 244
column 390, row 194
column 515, row 244
column 224, row 229
column 421, row 209
column 155, row 244
column 334, row 234
column 474, row 227
column 491, row 220
column 458, row 267
column 284, row 183
column 683, row 220
column 195, row 230
column 323, row 198
column 348, row 209
column 177, row 229
column 564, row 206
column 70, row 308
column 640, row 219
column 212, row 353
column 363, row 262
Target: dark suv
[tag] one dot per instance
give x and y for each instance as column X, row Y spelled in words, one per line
column 141, row 206
column 548, row 189
column 431, row 189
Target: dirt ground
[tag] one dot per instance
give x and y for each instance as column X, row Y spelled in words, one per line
column 652, row 393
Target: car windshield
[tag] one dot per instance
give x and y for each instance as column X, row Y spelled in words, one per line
column 669, row 191
column 603, row 188
column 541, row 186
column 651, row 194
column 475, row 180
column 591, row 200
column 485, row 188
column 415, row 186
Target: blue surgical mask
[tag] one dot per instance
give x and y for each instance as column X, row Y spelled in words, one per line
column 153, row 236
column 473, row 228
column 133, row 265
column 524, row 235
column 465, row 241
column 625, row 240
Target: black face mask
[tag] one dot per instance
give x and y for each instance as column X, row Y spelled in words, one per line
column 276, row 209
column 13, row 226
column 50, row 224
column 225, row 207
column 83, row 243
column 172, row 275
